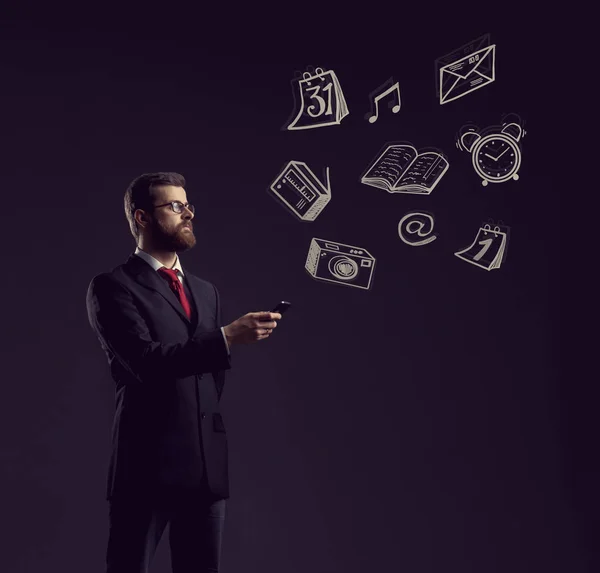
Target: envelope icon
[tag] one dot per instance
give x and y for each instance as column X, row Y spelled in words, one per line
column 461, row 74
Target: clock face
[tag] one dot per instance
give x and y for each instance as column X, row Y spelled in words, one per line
column 496, row 157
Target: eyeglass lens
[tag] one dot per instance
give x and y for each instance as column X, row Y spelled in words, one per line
column 179, row 207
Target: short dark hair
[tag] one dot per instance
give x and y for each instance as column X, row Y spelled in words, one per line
column 139, row 194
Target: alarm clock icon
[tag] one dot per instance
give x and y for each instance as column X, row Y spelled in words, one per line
column 496, row 156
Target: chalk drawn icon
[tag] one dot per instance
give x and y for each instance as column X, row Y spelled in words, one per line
column 466, row 69
column 417, row 223
column 339, row 263
column 488, row 250
column 393, row 89
column 495, row 152
column 400, row 169
column 321, row 100
column 300, row 191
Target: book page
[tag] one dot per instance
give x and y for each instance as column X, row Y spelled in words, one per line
column 425, row 171
column 390, row 165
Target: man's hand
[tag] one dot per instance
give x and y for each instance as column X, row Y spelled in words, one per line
column 251, row 327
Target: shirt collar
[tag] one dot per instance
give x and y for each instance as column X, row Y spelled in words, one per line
column 157, row 264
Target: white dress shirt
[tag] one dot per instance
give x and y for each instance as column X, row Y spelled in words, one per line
column 176, row 267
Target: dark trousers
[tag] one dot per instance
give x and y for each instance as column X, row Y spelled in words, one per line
column 136, row 525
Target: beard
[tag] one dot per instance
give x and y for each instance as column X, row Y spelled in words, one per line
column 177, row 240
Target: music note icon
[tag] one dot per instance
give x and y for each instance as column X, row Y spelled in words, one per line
column 396, row 89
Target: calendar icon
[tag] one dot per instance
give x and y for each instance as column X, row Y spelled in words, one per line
column 321, row 102
column 488, row 250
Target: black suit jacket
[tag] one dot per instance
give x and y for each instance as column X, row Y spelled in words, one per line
column 168, row 434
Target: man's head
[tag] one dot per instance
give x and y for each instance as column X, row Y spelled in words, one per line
column 149, row 202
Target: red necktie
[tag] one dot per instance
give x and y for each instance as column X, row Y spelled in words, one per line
column 177, row 288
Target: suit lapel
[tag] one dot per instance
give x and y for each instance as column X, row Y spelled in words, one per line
column 192, row 298
column 205, row 313
column 144, row 274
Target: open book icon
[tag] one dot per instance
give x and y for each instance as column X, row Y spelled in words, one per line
column 400, row 169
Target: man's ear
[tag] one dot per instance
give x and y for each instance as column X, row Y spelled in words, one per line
column 143, row 216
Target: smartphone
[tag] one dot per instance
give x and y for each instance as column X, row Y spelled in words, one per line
column 282, row 307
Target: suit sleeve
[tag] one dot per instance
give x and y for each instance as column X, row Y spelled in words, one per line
column 219, row 321
column 113, row 315
column 219, row 376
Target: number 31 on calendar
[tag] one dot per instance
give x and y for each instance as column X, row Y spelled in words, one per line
column 319, row 101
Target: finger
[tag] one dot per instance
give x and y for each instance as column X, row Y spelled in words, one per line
column 263, row 324
column 264, row 315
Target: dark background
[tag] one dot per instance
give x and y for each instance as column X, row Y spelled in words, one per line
column 424, row 425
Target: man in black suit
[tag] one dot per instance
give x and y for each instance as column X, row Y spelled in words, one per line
column 161, row 331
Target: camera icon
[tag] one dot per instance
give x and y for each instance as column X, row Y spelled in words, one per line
column 339, row 263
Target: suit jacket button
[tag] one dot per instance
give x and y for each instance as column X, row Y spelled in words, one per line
column 203, row 415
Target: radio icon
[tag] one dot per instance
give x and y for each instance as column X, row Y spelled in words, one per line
column 300, row 191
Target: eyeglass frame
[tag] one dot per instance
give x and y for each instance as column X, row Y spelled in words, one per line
column 187, row 206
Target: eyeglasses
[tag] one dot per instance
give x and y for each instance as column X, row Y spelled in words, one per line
column 176, row 206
